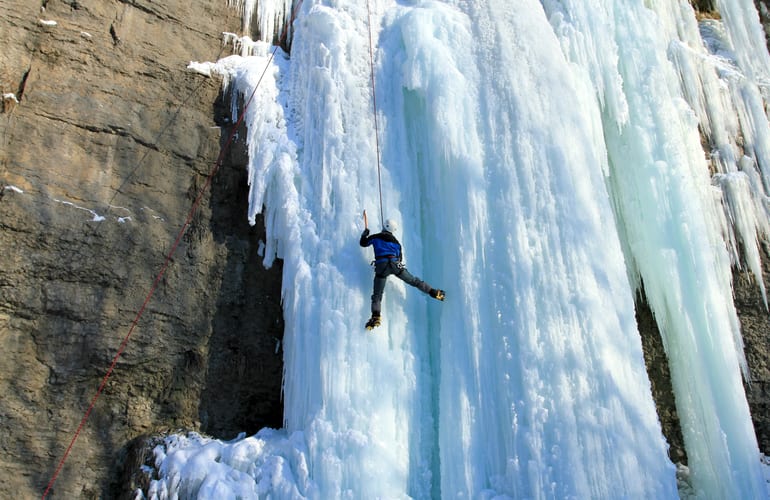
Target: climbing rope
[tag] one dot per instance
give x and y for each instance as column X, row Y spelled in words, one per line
column 374, row 105
column 167, row 262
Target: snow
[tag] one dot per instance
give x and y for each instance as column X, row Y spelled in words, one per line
column 47, row 22
column 545, row 166
column 95, row 216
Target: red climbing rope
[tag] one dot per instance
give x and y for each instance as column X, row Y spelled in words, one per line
column 374, row 104
column 163, row 269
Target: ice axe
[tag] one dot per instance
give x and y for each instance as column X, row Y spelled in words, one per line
column 366, row 223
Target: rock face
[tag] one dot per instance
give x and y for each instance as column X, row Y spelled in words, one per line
column 763, row 7
column 106, row 142
column 755, row 325
column 105, row 145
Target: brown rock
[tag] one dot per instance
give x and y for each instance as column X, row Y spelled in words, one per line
column 104, row 146
column 755, row 325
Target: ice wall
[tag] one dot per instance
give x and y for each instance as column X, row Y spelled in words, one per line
column 272, row 16
column 671, row 213
column 541, row 371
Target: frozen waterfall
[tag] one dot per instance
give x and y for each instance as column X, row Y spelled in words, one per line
column 545, row 162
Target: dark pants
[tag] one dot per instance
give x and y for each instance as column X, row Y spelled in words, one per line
column 384, row 269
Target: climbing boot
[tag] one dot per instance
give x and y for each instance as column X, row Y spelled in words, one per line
column 437, row 294
column 373, row 322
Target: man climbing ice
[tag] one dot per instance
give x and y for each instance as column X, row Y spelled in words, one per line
column 387, row 261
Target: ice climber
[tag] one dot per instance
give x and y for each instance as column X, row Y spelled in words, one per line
column 387, row 261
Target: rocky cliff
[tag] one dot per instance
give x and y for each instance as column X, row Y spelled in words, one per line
column 105, row 142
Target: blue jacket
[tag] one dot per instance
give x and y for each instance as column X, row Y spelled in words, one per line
column 386, row 246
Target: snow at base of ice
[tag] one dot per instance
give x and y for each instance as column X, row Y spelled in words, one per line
column 268, row 463
column 546, row 166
